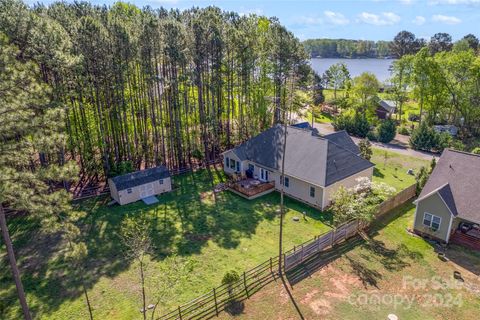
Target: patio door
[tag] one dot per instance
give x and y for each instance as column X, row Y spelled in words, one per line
column 263, row 174
column 146, row 190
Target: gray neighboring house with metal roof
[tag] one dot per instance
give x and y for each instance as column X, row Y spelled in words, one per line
column 315, row 166
column 141, row 184
column 449, row 204
column 386, row 108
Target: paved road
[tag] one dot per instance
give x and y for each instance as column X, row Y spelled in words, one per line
column 399, row 144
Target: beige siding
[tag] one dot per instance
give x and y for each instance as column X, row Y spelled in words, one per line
column 227, row 169
column 348, row 182
column 113, row 190
column 433, row 205
column 124, row 197
column 300, row 190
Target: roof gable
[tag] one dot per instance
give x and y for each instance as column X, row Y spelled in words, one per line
column 456, row 178
column 342, row 139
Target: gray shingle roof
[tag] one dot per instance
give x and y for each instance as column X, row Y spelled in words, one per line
column 342, row 139
column 310, row 157
column 141, row 177
column 456, row 178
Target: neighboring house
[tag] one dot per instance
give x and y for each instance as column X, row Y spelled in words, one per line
column 385, row 109
column 448, row 207
column 139, row 185
column 315, row 166
column 448, row 128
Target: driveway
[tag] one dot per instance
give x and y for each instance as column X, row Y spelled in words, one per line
column 399, row 144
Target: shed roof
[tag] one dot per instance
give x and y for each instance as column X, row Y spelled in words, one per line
column 456, row 178
column 310, row 157
column 388, row 105
column 141, row 177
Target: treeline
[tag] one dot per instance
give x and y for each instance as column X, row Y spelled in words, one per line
column 343, row 48
column 142, row 87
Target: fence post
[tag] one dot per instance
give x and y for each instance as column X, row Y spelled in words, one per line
column 215, row 299
column 271, row 267
column 333, row 237
column 245, row 284
column 179, row 313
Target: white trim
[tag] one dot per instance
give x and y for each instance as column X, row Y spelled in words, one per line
column 449, row 229
column 430, row 193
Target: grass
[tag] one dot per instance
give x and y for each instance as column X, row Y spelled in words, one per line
column 214, row 234
column 393, row 168
column 391, row 271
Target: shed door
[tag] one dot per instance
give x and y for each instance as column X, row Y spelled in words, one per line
column 146, row 190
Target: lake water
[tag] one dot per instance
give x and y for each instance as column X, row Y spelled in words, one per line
column 379, row 67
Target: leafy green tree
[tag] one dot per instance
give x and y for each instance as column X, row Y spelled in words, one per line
column 472, row 41
column 405, row 43
column 440, row 42
column 337, row 75
column 135, row 236
column 387, row 130
column 365, row 149
column 365, row 87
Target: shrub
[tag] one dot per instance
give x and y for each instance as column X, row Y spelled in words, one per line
column 372, row 135
column 424, row 138
column 357, row 125
column 456, row 144
column 365, row 149
column 342, row 122
column 476, row 150
column 360, row 126
column 386, row 131
column 404, row 131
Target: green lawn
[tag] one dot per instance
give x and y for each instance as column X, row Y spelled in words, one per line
column 393, row 169
column 214, row 234
column 390, row 271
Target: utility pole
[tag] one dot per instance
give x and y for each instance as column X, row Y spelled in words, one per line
column 13, row 265
column 282, row 180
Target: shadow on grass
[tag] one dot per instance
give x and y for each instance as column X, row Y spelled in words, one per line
column 181, row 223
column 377, row 173
column 316, row 262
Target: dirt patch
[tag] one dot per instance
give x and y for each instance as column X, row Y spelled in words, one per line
column 197, row 236
column 207, row 197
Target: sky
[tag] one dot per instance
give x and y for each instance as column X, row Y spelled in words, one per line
column 348, row 19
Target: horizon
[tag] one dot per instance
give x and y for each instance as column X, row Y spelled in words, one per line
column 380, row 20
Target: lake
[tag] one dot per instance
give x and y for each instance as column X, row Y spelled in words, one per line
column 378, row 67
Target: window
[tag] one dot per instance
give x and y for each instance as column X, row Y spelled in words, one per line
column 238, row 166
column 227, row 161
column 312, row 192
column 160, row 181
column 232, row 164
column 432, row 221
column 287, row 182
column 251, row 167
column 129, row 190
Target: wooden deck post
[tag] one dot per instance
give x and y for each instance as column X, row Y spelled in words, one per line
column 179, row 313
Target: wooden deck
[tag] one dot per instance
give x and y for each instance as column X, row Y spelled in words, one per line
column 251, row 188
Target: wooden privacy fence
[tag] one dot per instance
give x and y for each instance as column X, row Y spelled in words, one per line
column 319, row 243
column 397, row 200
column 215, row 301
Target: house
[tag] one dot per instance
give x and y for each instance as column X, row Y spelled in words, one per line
column 448, row 208
column 385, row 109
column 139, row 185
column 448, row 128
column 315, row 166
